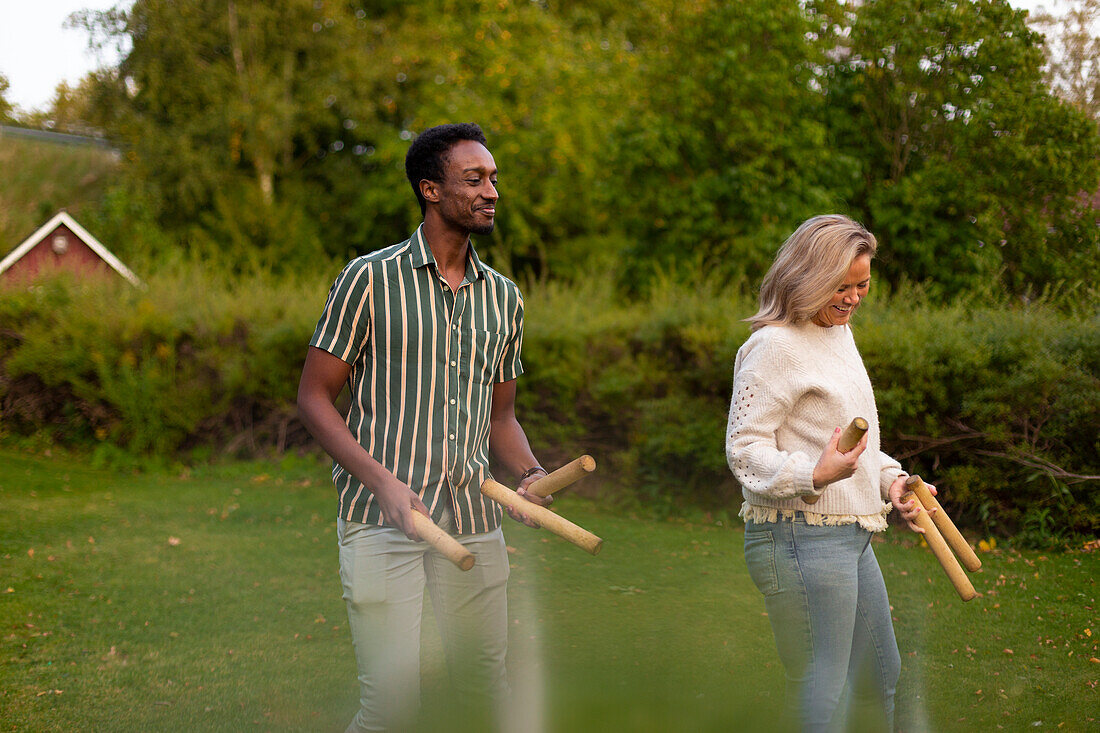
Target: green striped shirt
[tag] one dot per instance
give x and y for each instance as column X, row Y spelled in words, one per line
column 424, row 359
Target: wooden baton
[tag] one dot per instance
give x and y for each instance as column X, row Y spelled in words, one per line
column 446, row 545
column 568, row 474
column 947, row 528
column 942, row 552
column 542, row 516
column 848, row 440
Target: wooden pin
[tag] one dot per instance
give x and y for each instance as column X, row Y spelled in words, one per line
column 848, row 440
column 942, row 552
column 446, row 545
column 947, row 528
column 542, row 516
column 568, row 474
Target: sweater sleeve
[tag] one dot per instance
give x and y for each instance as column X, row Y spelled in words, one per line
column 889, row 473
column 756, row 412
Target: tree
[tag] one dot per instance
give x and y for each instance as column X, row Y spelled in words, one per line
column 1073, row 54
column 264, row 125
column 723, row 150
column 970, row 166
column 71, row 109
column 6, row 107
column 659, row 131
column 545, row 94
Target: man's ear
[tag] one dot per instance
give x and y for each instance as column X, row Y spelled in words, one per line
column 429, row 190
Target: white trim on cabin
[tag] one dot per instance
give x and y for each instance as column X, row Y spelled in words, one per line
column 62, row 217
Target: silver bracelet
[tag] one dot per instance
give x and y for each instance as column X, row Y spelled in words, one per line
column 531, row 471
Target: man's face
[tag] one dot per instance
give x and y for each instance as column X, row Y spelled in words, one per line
column 468, row 192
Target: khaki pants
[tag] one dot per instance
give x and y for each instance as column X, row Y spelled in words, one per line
column 384, row 574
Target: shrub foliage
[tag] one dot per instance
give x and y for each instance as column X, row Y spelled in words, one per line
column 996, row 405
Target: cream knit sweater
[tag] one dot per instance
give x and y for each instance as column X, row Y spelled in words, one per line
column 792, row 385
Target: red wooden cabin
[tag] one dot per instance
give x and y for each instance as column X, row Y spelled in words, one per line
column 61, row 245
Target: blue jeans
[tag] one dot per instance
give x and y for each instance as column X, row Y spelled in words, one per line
column 830, row 615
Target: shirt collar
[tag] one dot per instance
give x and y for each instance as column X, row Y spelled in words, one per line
column 422, row 255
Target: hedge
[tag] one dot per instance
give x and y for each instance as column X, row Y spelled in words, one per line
column 998, row 405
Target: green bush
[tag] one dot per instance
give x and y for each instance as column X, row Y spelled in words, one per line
column 191, row 362
column 1002, row 407
column 997, row 405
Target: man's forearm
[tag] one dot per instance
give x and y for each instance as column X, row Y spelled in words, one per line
column 509, row 445
column 329, row 429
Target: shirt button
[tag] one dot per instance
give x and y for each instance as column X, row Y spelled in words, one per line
column 452, row 436
column 453, row 363
column 452, row 402
column 454, row 326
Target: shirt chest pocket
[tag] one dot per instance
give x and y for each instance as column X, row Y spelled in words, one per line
column 482, row 354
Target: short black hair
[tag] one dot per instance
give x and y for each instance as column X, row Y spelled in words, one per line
column 428, row 151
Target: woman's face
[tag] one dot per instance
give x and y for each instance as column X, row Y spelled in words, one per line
column 847, row 297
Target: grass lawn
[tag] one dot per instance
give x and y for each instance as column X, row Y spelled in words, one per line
column 211, row 601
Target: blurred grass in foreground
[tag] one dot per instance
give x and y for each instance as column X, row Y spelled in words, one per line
column 211, row 601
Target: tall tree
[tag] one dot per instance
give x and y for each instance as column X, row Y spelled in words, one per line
column 970, row 165
column 270, row 122
column 71, row 109
column 6, row 107
column 545, row 94
column 1073, row 54
column 724, row 146
column 216, row 101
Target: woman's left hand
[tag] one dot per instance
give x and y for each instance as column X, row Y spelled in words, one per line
column 908, row 509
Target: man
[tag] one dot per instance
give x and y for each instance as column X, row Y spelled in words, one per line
column 428, row 340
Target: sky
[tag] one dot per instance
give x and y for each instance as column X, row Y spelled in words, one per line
column 37, row 53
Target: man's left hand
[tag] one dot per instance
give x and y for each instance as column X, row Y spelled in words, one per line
column 534, row 499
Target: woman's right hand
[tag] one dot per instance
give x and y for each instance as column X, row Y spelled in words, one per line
column 834, row 465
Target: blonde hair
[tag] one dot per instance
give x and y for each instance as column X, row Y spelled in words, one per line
column 809, row 267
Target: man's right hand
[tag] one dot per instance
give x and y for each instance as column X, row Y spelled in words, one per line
column 397, row 502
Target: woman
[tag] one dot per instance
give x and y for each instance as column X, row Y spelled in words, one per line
column 797, row 379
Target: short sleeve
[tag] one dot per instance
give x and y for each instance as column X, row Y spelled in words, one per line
column 510, row 364
column 344, row 325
